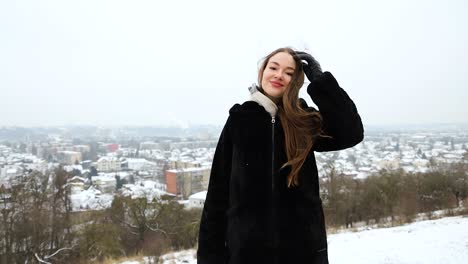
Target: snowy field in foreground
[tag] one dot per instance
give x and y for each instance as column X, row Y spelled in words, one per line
column 434, row 241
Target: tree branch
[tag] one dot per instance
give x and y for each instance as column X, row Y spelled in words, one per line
column 40, row 260
column 56, row 252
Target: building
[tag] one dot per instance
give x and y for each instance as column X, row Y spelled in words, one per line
column 81, row 148
column 69, row 157
column 112, row 147
column 104, row 183
column 149, row 145
column 197, row 200
column 106, row 164
column 194, row 144
column 182, row 164
column 140, row 164
column 76, row 184
column 187, row 181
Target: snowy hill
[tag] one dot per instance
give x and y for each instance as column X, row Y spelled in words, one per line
column 434, row 241
column 430, row 242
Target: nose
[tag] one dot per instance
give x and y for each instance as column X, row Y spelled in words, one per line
column 279, row 75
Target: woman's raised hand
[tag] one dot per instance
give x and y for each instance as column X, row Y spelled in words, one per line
column 312, row 68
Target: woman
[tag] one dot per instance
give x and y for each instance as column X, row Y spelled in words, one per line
column 263, row 203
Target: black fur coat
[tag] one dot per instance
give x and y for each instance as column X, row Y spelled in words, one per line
column 250, row 215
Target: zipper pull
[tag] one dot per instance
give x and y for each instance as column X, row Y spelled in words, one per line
column 273, row 120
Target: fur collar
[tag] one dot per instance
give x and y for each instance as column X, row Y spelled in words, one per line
column 263, row 100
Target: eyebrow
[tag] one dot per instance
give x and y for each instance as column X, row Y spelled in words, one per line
column 279, row 65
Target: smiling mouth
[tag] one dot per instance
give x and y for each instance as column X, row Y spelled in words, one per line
column 276, row 84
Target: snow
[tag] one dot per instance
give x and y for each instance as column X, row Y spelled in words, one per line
column 70, row 168
column 433, row 241
column 199, row 195
column 94, row 199
column 192, row 169
column 91, row 199
column 107, row 158
column 78, row 178
column 103, row 178
column 149, row 189
column 181, row 257
column 11, row 170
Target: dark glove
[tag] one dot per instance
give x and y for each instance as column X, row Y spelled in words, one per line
column 312, row 68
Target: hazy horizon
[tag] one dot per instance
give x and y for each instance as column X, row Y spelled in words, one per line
column 449, row 125
column 147, row 63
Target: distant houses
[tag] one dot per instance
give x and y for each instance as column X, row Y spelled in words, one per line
column 76, row 184
column 197, row 200
column 104, row 183
column 69, row 157
column 108, row 163
column 182, row 168
column 187, row 181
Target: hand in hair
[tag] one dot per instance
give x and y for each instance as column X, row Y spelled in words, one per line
column 312, row 68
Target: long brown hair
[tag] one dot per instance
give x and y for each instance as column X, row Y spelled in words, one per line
column 300, row 127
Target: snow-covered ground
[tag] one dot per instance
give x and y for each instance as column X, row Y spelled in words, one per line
column 181, row 257
column 146, row 260
column 94, row 199
column 433, row 241
column 148, row 189
column 91, row 199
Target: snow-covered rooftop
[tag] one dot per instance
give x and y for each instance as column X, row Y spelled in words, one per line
column 198, row 195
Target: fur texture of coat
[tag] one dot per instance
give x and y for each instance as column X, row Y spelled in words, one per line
column 250, row 215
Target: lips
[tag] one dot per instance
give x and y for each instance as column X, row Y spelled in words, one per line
column 276, row 84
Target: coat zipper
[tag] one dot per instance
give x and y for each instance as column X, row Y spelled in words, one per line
column 273, row 214
column 273, row 121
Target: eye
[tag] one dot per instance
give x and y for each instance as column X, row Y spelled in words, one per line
column 289, row 73
column 272, row 68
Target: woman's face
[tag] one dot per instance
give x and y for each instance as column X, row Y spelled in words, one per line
column 277, row 75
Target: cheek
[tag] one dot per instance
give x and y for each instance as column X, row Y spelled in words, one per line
column 266, row 76
column 263, row 80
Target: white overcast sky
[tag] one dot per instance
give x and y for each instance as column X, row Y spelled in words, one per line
column 187, row 62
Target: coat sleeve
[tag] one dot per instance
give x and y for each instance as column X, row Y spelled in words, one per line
column 212, row 234
column 340, row 118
